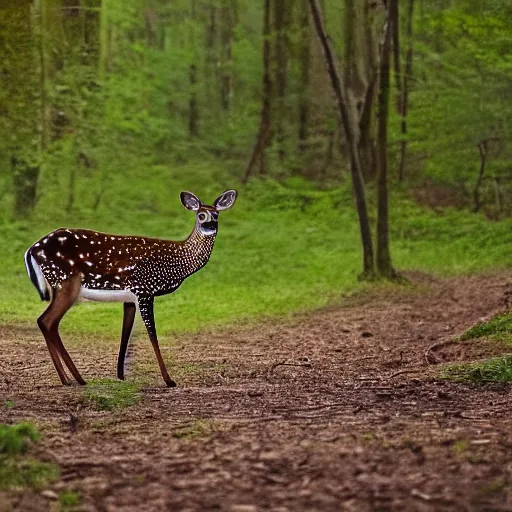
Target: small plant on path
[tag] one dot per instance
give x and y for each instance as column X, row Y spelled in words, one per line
column 16, row 469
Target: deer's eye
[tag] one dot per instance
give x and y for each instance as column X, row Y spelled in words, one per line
column 201, row 217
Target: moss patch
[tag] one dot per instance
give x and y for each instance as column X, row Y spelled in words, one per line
column 199, row 428
column 109, row 394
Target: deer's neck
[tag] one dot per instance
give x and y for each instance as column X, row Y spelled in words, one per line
column 199, row 248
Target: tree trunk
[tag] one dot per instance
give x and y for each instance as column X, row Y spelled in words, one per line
column 226, row 64
column 304, row 56
column 280, row 71
column 193, row 108
column 25, row 178
column 384, row 265
column 348, row 126
column 404, row 103
column 264, row 134
column 104, row 57
column 482, row 148
column 366, row 142
column 394, row 18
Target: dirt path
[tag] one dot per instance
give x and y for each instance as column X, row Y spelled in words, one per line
column 356, row 421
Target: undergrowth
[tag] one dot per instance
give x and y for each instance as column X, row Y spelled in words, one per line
column 498, row 328
column 497, row 369
column 17, row 469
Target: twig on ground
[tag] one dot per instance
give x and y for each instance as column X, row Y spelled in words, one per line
column 368, row 357
column 436, row 346
column 422, row 495
column 401, row 372
column 306, row 363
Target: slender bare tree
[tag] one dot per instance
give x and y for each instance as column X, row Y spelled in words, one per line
column 348, row 127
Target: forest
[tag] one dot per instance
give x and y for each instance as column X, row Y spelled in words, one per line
column 365, row 266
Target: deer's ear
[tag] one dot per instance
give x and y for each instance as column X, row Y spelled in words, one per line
column 190, row 201
column 225, row 200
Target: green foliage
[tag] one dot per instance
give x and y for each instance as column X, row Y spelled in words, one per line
column 16, row 470
column 498, row 328
column 16, row 438
column 461, row 97
column 108, row 394
column 69, row 499
column 497, row 369
column 460, row 447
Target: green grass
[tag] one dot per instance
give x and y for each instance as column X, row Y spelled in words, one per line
column 283, row 248
column 497, row 369
column 16, row 469
column 69, row 499
column 15, row 439
column 198, row 428
column 499, row 328
column 109, row 394
column 19, row 472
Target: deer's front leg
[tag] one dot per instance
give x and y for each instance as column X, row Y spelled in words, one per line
column 146, row 312
column 128, row 318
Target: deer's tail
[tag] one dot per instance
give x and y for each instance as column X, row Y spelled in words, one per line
column 36, row 276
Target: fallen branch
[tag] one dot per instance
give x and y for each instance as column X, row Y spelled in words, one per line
column 401, row 372
column 436, row 346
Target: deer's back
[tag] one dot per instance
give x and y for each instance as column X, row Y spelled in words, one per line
column 100, row 257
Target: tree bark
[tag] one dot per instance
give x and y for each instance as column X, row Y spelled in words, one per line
column 104, row 57
column 264, row 137
column 384, row 266
column 394, row 18
column 348, row 126
column 482, row 148
column 404, row 102
column 304, row 56
column 212, row 60
column 226, row 64
column 366, row 142
column 280, row 65
column 193, row 108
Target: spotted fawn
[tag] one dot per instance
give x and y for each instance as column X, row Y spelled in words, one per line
column 69, row 264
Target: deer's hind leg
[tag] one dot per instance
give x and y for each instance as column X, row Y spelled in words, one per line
column 53, row 352
column 63, row 298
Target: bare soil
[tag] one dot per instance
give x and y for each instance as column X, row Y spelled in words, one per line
column 337, row 410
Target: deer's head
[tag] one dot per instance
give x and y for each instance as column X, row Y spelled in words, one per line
column 207, row 217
